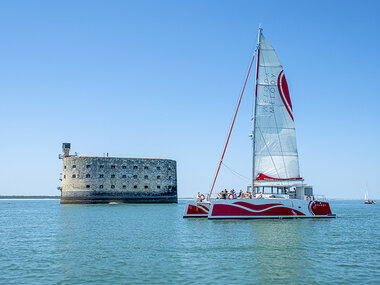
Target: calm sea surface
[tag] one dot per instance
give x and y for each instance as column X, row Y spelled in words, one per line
column 43, row 242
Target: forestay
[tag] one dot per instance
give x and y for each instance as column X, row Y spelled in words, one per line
column 276, row 156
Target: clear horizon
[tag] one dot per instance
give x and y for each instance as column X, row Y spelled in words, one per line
column 162, row 79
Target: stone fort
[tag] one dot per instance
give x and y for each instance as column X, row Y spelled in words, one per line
column 103, row 179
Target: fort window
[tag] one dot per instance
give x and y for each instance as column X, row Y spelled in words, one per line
column 112, row 186
column 146, row 167
column 64, row 167
column 64, row 176
column 88, row 175
column 101, row 175
column 124, row 167
column 146, row 187
column 113, row 176
column 158, row 168
column 146, row 176
column 158, row 177
column 101, row 186
column 170, row 187
column 124, row 176
column 113, row 166
column 135, row 167
column 88, row 166
column 101, row 166
column 74, row 166
column 135, row 176
column 170, row 177
column 124, row 186
column 158, row 187
column 169, row 169
column 74, row 176
column 135, row 186
column 87, row 186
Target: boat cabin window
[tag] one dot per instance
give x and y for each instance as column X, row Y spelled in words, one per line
column 272, row 190
column 308, row 191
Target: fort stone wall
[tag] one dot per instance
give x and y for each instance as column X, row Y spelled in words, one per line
column 88, row 179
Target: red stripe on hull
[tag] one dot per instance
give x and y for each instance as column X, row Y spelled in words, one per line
column 194, row 210
column 320, row 208
column 255, row 207
column 230, row 210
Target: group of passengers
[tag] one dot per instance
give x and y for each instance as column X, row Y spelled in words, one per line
column 231, row 195
column 224, row 195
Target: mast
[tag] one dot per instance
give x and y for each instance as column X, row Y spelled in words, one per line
column 254, row 111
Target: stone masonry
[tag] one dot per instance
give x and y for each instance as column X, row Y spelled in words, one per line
column 87, row 179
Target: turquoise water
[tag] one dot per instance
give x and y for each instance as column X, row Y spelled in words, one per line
column 43, row 242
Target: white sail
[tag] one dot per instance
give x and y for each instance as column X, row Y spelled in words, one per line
column 276, row 156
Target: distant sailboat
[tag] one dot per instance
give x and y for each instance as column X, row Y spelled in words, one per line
column 367, row 201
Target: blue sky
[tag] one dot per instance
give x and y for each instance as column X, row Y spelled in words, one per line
column 162, row 78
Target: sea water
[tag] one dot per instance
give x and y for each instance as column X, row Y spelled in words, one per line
column 43, row 242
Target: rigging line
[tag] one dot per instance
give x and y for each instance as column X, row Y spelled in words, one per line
column 233, row 122
column 236, row 173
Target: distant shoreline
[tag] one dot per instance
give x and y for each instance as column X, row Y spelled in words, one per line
column 21, row 197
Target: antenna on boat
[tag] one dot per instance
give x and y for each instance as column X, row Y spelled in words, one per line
column 254, row 110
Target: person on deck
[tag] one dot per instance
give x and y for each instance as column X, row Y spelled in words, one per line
column 224, row 194
column 241, row 195
column 260, row 196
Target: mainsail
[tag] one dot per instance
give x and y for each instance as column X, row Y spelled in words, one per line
column 275, row 149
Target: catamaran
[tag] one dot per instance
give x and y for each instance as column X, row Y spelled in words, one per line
column 277, row 187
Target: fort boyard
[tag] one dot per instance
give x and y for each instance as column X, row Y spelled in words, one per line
column 104, row 179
